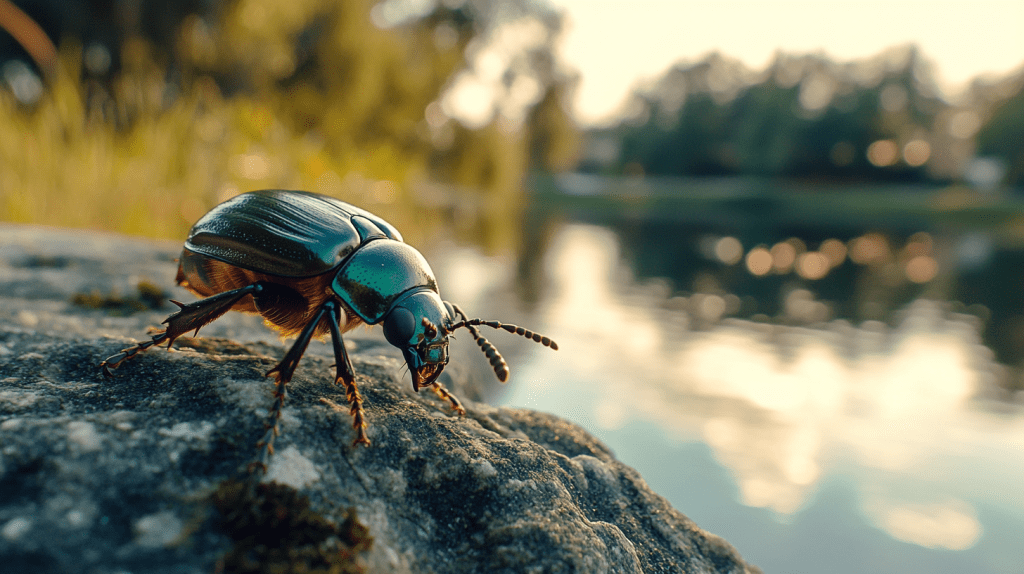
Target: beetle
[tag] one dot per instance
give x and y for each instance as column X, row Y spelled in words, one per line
column 311, row 266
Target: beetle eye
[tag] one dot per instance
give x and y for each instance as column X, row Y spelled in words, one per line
column 399, row 326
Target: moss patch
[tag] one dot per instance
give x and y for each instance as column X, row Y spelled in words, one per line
column 150, row 296
column 275, row 532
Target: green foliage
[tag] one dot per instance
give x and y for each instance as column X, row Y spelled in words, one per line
column 303, row 94
column 804, row 116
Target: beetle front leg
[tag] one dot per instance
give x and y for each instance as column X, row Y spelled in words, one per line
column 446, row 395
column 191, row 316
column 345, row 374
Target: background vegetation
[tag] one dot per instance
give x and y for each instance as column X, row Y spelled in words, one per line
column 882, row 119
column 148, row 117
column 149, row 112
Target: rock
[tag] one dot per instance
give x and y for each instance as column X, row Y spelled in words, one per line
column 145, row 471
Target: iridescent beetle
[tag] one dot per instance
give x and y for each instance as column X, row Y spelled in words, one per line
column 312, row 265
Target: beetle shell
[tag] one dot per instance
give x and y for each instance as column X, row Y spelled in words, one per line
column 285, row 233
column 310, row 244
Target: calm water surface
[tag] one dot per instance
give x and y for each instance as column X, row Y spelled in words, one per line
column 851, row 417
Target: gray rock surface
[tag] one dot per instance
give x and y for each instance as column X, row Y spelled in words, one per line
column 131, row 473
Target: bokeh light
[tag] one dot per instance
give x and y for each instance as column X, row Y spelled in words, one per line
column 759, row 261
column 893, row 98
column 254, row 166
column 883, row 153
column 919, row 243
column 916, row 152
column 964, row 124
column 784, row 254
column 835, row 250
column 729, row 250
column 921, row 269
column 812, row 265
column 869, row 249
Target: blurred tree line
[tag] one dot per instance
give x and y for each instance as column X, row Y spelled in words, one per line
column 881, row 119
column 1002, row 136
column 167, row 107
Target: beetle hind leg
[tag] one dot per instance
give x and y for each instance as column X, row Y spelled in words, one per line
column 114, row 361
column 189, row 317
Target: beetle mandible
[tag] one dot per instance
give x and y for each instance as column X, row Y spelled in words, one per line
column 312, row 265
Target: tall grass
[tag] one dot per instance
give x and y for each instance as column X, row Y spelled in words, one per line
column 144, row 162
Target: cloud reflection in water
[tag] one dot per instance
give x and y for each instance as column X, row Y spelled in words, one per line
column 897, row 409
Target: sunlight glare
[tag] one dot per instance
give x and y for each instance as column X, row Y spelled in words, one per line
column 782, row 406
column 655, row 34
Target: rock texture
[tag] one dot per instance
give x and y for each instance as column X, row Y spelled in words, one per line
column 137, row 473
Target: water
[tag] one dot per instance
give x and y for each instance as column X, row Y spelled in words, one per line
column 863, row 418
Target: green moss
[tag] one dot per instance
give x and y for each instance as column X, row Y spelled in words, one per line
column 150, row 296
column 275, row 532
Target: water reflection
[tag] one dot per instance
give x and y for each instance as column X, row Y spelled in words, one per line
column 900, row 409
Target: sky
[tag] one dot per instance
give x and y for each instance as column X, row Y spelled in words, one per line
column 617, row 44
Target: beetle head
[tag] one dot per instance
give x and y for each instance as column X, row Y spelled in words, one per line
column 418, row 325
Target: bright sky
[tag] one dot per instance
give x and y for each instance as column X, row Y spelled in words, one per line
column 617, row 43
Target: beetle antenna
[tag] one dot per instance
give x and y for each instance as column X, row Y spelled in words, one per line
column 490, row 351
column 514, row 329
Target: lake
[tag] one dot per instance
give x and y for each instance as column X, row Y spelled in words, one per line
column 830, row 379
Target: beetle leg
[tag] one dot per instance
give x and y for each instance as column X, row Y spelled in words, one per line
column 345, row 374
column 446, row 395
column 114, row 361
column 191, row 316
column 283, row 372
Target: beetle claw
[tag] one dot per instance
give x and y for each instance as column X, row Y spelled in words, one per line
column 114, row 361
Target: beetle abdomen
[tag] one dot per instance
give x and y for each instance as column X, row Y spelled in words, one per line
column 287, row 305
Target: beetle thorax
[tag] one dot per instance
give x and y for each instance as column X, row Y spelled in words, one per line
column 380, row 272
